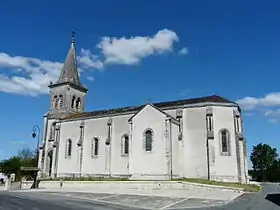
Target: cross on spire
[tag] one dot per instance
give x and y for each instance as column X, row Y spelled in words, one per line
column 73, row 36
column 148, row 99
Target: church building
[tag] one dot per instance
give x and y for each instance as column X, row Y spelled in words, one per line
column 194, row 138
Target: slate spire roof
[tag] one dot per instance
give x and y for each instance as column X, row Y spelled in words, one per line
column 69, row 72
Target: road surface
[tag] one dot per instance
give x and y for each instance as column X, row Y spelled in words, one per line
column 267, row 199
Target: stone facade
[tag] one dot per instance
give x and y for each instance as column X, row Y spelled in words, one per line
column 197, row 138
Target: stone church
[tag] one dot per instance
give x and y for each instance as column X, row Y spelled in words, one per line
column 195, row 138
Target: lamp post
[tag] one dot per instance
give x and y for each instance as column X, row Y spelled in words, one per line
column 36, row 132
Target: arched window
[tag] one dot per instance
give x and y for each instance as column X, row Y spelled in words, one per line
column 125, row 145
column 52, row 131
column 73, row 102
column 55, row 101
column 148, row 140
column 225, row 143
column 95, row 147
column 68, row 148
column 60, row 100
column 78, row 103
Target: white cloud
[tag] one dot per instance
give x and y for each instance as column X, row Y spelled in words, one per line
column 131, row 50
column 272, row 112
column 268, row 105
column 273, row 120
column 185, row 92
column 90, row 78
column 183, row 51
column 248, row 113
column 18, row 142
column 89, row 61
column 269, row 100
column 31, row 76
column 37, row 74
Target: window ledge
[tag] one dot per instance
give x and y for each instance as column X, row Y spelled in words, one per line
column 124, row 155
column 225, row 154
column 210, row 134
column 239, row 135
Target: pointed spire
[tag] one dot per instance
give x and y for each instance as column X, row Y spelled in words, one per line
column 69, row 72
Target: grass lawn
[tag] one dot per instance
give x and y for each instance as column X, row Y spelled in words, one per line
column 246, row 187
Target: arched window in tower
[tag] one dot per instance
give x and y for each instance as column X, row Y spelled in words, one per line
column 60, row 101
column 78, row 103
column 148, row 140
column 73, row 102
column 55, row 101
column 225, row 144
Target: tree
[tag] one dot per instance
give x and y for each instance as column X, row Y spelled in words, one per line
column 28, row 157
column 11, row 165
column 25, row 158
column 264, row 159
column 273, row 172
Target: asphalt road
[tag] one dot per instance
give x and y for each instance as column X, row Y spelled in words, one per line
column 267, row 199
column 23, row 201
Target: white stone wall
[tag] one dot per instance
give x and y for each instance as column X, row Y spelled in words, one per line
column 189, row 156
column 95, row 128
column 69, row 166
column 149, row 165
column 194, row 140
column 119, row 162
column 225, row 167
column 176, row 152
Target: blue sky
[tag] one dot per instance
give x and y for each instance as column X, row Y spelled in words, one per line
column 133, row 50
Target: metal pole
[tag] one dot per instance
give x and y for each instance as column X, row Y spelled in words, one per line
column 36, row 129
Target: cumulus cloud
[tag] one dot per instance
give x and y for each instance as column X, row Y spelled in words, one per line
column 31, row 76
column 36, row 74
column 269, row 100
column 87, row 60
column 268, row 105
column 18, row 142
column 90, row 78
column 183, row 51
column 131, row 50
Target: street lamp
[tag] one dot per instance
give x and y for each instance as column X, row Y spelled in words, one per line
column 36, row 132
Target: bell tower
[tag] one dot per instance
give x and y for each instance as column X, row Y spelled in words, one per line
column 67, row 93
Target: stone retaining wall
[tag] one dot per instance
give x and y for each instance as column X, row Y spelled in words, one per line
column 140, row 185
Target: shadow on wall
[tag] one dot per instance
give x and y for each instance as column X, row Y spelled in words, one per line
column 274, row 198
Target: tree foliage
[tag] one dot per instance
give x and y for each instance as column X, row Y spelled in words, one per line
column 25, row 158
column 266, row 165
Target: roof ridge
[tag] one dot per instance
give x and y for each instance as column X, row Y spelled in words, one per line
column 160, row 105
